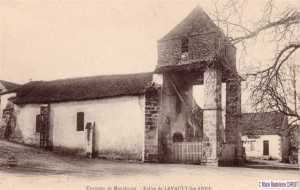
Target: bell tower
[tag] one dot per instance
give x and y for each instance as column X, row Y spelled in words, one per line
column 196, row 51
column 196, row 38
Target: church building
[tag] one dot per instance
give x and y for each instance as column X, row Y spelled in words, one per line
column 151, row 117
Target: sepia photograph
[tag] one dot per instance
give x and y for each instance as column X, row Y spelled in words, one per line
column 150, row 94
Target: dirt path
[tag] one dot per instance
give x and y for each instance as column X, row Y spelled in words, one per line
column 39, row 169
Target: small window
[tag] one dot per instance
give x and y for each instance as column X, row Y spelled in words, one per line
column 184, row 45
column 80, row 121
column 38, row 123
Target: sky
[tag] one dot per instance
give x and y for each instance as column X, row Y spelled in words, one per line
column 53, row 39
column 45, row 40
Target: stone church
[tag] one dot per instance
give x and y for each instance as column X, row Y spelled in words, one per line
column 151, row 117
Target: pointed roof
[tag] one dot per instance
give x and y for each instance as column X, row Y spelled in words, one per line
column 195, row 23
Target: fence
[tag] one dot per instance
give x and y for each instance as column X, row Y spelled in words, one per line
column 187, row 152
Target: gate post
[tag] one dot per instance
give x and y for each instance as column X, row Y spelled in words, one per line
column 212, row 115
column 233, row 114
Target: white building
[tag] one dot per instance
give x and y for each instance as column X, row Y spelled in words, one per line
column 265, row 135
column 62, row 108
column 263, row 146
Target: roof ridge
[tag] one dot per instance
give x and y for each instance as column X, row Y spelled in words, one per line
column 93, row 76
column 261, row 112
column 77, row 89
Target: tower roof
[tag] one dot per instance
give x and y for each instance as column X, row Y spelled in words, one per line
column 196, row 22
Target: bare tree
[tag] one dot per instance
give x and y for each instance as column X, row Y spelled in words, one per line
column 273, row 88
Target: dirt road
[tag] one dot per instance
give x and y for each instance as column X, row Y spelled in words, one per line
column 45, row 170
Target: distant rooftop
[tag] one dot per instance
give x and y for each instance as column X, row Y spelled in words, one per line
column 8, row 86
column 263, row 123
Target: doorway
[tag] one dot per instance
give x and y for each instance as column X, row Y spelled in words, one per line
column 43, row 122
column 266, row 148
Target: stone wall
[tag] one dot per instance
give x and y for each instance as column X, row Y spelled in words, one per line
column 169, row 102
column 169, row 52
column 200, row 46
column 232, row 131
column 233, row 111
column 212, row 116
column 152, row 108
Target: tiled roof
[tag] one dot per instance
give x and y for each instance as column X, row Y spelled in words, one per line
column 86, row 88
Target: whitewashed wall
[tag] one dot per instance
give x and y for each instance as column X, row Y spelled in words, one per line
column 274, row 146
column 26, row 123
column 119, row 125
column 119, row 122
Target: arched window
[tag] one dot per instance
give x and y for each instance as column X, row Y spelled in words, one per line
column 177, row 137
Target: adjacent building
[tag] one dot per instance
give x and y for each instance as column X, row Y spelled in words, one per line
column 266, row 135
column 55, row 114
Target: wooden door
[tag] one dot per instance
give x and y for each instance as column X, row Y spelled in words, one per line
column 44, row 127
column 265, row 148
